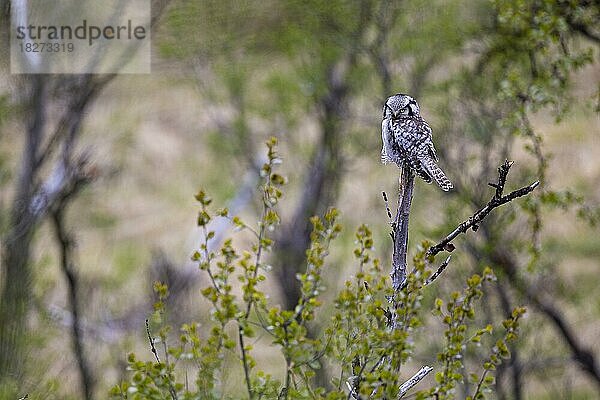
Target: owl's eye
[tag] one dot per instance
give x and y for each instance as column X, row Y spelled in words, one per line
column 404, row 111
column 387, row 110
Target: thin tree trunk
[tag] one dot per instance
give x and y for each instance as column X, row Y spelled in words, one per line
column 321, row 190
column 16, row 269
column 65, row 242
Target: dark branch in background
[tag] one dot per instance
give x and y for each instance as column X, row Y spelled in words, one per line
column 14, row 298
column 386, row 17
column 582, row 355
column 475, row 220
column 324, row 171
column 66, row 244
column 585, row 31
column 321, row 187
column 588, row 30
column 75, row 177
column 503, row 258
column 515, row 362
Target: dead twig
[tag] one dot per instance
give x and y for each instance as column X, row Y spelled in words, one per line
column 151, row 340
column 412, row 382
column 153, row 349
column 438, row 272
column 400, row 228
column 475, row 220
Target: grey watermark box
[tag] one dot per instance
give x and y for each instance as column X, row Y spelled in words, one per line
column 80, row 36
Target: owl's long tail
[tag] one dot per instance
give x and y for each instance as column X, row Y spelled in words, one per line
column 436, row 173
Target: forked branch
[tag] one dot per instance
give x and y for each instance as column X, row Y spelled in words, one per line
column 475, row 220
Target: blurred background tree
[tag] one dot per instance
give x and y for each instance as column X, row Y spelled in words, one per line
column 496, row 79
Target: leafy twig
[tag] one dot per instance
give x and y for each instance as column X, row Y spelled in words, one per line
column 270, row 196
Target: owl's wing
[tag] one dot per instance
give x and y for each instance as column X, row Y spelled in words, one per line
column 431, row 149
column 386, row 146
column 384, row 157
column 429, row 141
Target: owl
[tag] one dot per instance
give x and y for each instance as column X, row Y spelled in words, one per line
column 407, row 140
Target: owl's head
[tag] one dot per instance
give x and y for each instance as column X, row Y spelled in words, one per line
column 399, row 106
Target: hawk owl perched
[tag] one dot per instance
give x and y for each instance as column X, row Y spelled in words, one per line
column 407, row 140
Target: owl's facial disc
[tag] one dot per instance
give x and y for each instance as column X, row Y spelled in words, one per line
column 400, row 105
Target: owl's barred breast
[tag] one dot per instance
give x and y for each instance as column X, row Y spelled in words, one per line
column 412, row 136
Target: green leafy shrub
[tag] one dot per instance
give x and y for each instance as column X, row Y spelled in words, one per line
column 358, row 342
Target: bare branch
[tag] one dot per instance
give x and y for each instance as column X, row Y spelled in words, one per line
column 387, row 207
column 151, row 340
column 412, row 382
column 476, row 219
column 400, row 229
column 352, row 389
column 153, row 349
column 352, row 382
column 438, row 272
